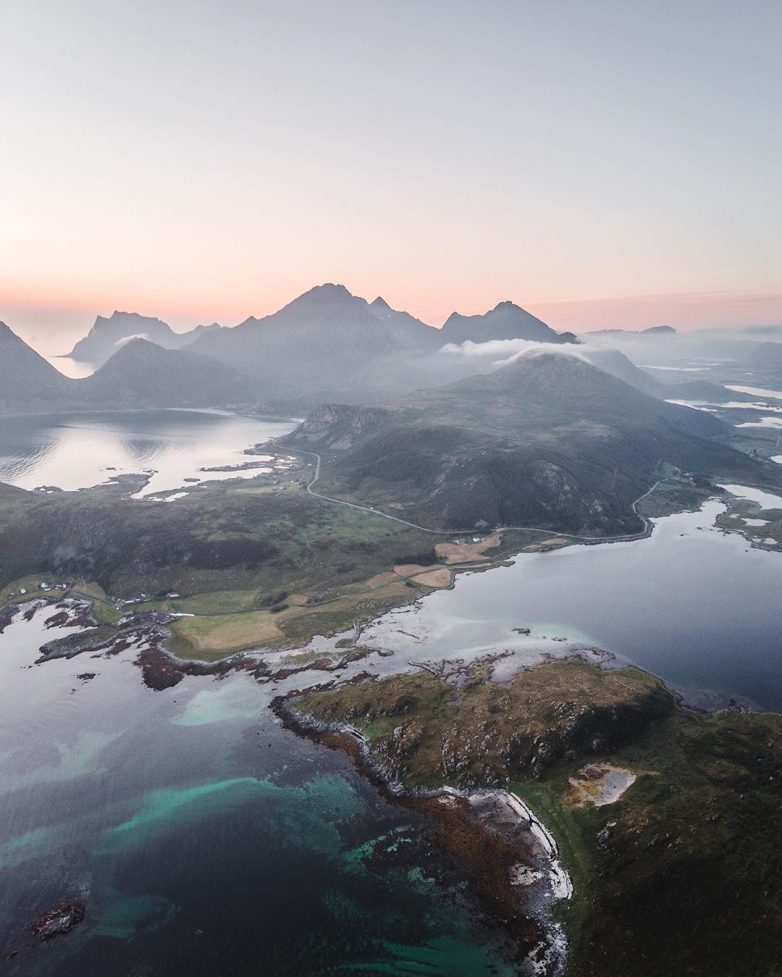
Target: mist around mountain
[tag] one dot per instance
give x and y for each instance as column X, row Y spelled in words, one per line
column 28, row 382
column 140, row 374
column 484, row 357
column 329, row 345
column 326, row 343
column 547, row 440
column 767, row 357
column 108, row 334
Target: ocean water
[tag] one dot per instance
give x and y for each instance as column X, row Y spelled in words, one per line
column 73, row 451
column 204, row 838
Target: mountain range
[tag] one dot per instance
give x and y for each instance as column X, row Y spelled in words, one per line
column 662, row 331
column 108, row 334
column 326, row 345
column 330, row 308
column 140, row 374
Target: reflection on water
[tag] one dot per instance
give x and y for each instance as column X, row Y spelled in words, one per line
column 73, row 451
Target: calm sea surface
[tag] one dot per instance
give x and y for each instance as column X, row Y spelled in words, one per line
column 692, row 604
column 73, row 451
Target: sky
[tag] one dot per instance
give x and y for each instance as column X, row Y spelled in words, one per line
column 603, row 164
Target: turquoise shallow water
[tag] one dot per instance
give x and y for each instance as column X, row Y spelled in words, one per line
column 204, row 839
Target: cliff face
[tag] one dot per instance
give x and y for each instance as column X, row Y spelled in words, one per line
column 337, row 426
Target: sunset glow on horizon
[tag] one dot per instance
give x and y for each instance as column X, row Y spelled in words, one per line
column 210, row 161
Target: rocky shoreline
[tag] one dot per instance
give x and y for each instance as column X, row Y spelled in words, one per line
column 509, row 856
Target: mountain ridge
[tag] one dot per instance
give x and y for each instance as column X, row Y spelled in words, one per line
column 546, row 440
column 108, row 333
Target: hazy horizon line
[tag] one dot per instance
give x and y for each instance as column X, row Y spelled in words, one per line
column 50, row 323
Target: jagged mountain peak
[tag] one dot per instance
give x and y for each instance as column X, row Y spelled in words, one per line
column 121, row 314
column 328, row 292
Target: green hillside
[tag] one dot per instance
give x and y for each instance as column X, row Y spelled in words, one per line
column 547, row 440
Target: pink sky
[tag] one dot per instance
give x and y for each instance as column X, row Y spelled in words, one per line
column 605, row 165
column 54, row 325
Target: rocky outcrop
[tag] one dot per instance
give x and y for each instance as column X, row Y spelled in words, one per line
column 337, row 426
column 59, row 920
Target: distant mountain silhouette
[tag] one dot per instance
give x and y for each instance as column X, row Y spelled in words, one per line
column 329, row 344
column 142, row 374
column 109, row 333
column 504, row 321
column 661, row 331
column 326, row 343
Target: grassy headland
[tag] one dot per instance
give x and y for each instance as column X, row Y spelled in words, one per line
column 690, row 847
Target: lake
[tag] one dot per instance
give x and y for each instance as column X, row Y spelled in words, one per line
column 74, row 451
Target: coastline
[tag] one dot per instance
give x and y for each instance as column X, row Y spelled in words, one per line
column 491, row 834
column 508, row 854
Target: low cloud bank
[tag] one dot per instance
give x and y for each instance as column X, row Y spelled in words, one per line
column 499, row 352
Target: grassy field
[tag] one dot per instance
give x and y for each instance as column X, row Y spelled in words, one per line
column 208, row 637
column 227, row 550
column 256, row 565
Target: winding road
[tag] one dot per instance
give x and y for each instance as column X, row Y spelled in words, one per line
column 451, row 532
